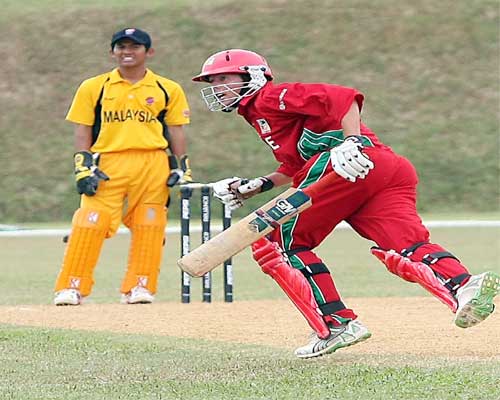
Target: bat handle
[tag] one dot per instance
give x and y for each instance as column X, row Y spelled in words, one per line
column 319, row 186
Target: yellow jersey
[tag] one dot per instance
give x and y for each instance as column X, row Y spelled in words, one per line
column 126, row 115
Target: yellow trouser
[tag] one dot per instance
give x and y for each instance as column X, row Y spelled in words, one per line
column 136, row 194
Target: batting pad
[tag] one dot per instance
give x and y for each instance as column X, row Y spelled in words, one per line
column 146, row 247
column 89, row 228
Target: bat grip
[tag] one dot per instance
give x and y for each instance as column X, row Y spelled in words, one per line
column 320, row 185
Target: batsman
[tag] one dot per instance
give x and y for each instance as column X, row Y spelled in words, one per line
column 121, row 120
column 314, row 130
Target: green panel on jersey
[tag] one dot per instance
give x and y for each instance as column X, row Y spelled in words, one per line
column 311, row 143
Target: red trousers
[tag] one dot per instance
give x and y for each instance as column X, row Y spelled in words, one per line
column 381, row 208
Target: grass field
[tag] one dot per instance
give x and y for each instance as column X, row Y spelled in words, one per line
column 429, row 71
column 42, row 362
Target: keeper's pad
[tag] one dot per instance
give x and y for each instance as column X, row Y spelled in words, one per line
column 417, row 272
column 89, row 229
column 147, row 226
column 292, row 281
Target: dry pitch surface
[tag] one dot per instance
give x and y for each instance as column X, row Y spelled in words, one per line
column 419, row 326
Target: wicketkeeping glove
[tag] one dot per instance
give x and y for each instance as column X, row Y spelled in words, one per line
column 87, row 175
column 349, row 161
column 180, row 170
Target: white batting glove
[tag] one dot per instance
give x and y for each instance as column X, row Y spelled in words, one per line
column 252, row 187
column 348, row 161
column 228, row 195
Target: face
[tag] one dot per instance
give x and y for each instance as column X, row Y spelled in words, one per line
column 129, row 54
column 226, row 86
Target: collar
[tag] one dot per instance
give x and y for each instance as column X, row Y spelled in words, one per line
column 148, row 80
column 245, row 101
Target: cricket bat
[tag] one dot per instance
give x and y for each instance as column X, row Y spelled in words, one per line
column 259, row 223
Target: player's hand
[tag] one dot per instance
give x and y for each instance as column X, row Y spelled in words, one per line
column 349, row 161
column 233, row 191
column 87, row 175
column 254, row 186
column 226, row 191
column 180, row 171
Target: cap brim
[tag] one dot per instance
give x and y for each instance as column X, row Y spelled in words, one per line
column 129, row 38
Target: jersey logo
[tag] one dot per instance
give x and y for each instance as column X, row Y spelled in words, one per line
column 282, row 103
column 264, row 126
column 150, row 100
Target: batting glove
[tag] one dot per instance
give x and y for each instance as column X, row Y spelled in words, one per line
column 87, row 175
column 226, row 191
column 180, row 171
column 255, row 186
column 349, row 161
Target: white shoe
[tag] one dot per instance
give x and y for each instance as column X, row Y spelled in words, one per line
column 68, row 297
column 341, row 336
column 138, row 295
column 475, row 299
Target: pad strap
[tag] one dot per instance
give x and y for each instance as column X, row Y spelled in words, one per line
column 292, row 252
column 433, row 258
column 430, row 259
column 314, row 269
column 410, row 250
column 332, row 307
column 454, row 283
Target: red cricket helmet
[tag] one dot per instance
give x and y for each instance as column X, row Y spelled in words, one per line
column 233, row 61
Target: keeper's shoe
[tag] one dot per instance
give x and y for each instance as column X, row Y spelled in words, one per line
column 68, row 297
column 138, row 295
column 341, row 336
column 475, row 299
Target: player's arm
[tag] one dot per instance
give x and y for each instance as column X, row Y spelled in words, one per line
column 348, row 160
column 249, row 188
column 233, row 191
column 82, row 137
column 177, row 140
column 179, row 161
column 351, row 123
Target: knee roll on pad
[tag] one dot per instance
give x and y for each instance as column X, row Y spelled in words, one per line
column 292, row 281
column 147, row 226
column 89, row 229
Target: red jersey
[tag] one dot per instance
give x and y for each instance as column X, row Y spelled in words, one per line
column 299, row 120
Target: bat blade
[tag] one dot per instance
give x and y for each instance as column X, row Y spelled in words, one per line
column 251, row 228
column 242, row 234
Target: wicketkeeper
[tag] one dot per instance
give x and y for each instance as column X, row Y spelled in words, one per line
column 314, row 129
column 121, row 122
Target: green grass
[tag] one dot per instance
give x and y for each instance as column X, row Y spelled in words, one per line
column 430, row 75
column 67, row 364
column 429, row 72
column 79, row 365
column 343, row 252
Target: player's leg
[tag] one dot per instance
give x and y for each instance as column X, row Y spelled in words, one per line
column 298, row 238
column 97, row 218
column 390, row 219
column 89, row 228
column 146, row 218
column 147, row 227
column 326, row 338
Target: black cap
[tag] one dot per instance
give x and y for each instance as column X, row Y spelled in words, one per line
column 134, row 34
